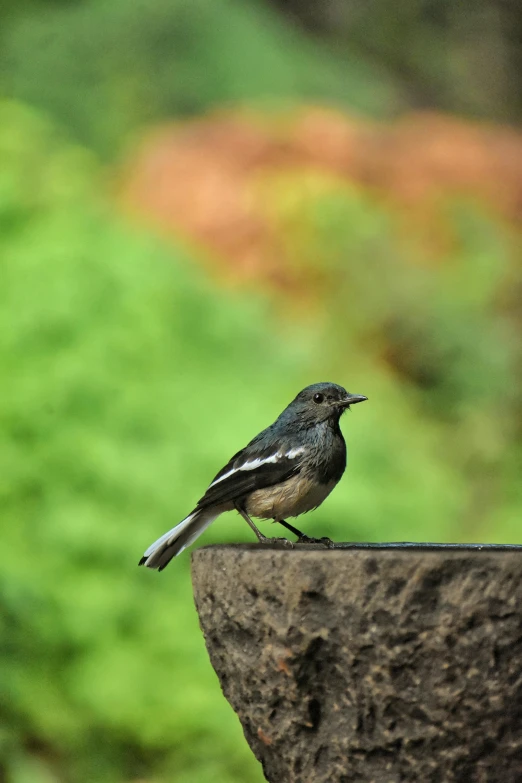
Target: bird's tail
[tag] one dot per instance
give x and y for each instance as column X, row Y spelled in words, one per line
column 160, row 553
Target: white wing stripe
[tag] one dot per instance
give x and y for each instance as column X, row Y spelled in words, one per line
column 293, row 453
column 256, row 463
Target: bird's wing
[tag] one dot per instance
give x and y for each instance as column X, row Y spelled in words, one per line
column 251, row 469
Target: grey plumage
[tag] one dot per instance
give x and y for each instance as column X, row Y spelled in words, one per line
column 286, row 470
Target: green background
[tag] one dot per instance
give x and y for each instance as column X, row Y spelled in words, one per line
column 129, row 375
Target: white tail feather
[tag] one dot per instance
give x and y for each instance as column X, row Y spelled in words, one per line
column 174, row 541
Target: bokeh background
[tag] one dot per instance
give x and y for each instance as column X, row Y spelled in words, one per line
column 206, row 205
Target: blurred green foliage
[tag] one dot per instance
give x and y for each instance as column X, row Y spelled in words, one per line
column 126, row 383
column 117, row 362
column 105, row 69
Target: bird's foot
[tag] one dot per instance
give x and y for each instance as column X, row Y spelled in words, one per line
column 325, row 541
column 283, row 542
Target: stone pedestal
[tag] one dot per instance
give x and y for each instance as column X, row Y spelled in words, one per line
column 388, row 663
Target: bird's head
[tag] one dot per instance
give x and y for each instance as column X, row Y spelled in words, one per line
column 322, row 402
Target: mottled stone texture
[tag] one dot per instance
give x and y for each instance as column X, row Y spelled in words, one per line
column 352, row 665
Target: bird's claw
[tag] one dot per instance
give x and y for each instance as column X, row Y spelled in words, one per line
column 284, row 542
column 325, row 541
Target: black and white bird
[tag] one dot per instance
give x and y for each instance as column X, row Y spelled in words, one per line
column 286, row 470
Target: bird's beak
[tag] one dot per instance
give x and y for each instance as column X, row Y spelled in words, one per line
column 351, row 400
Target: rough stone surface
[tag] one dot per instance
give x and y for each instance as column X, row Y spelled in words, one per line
column 369, row 665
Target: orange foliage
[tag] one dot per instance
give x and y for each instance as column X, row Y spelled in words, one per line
column 419, row 156
column 201, row 178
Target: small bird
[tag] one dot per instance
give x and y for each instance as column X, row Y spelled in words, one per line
column 286, row 470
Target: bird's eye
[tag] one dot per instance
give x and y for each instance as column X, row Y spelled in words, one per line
column 318, row 397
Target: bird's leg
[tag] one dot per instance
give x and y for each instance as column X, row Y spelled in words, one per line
column 290, row 527
column 260, row 537
column 304, row 539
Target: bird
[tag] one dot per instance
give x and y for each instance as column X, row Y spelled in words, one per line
column 286, row 470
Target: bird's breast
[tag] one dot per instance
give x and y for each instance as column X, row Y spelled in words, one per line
column 292, row 497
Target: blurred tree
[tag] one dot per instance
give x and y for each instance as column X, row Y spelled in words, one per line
column 463, row 57
column 107, row 67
